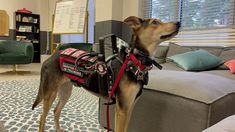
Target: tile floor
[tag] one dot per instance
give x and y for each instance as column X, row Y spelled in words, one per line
column 85, row 121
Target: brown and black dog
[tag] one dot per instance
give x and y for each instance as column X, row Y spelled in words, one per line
column 147, row 33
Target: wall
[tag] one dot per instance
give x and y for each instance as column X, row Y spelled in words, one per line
column 116, row 9
column 109, row 15
column 13, row 5
column 130, row 8
column 103, row 10
column 44, row 14
column 43, row 7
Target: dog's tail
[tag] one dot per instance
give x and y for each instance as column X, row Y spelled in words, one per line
column 39, row 98
column 36, row 102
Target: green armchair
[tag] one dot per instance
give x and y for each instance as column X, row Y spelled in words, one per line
column 15, row 52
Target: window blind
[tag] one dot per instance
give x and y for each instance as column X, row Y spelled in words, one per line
column 193, row 14
column 147, row 8
column 197, row 14
column 204, row 22
column 165, row 10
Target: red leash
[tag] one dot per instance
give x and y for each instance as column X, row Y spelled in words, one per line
column 120, row 73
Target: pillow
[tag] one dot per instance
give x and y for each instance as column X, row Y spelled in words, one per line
column 160, row 55
column 227, row 54
column 175, row 49
column 213, row 50
column 198, row 60
column 231, row 65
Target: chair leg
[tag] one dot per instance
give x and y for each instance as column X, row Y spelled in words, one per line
column 15, row 71
column 14, row 68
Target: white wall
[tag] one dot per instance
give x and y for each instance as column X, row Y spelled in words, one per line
column 103, row 10
column 130, row 8
column 44, row 16
column 116, row 9
column 45, row 8
column 13, row 5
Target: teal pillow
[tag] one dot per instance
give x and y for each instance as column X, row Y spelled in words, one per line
column 198, row 60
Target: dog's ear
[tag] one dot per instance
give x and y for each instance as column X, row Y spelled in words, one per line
column 133, row 21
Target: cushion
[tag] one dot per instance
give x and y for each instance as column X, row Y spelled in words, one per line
column 231, row 65
column 198, row 60
column 161, row 52
column 175, row 49
column 13, row 58
column 213, row 50
column 227, row 54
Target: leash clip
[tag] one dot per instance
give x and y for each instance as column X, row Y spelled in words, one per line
column 140, row 75
column 128, row 51
column 109, row 129
column 110, row 102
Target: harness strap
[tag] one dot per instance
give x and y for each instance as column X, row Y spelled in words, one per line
column 120, row 73
column 136, row 62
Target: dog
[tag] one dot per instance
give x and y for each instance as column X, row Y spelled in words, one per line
column 147, row 35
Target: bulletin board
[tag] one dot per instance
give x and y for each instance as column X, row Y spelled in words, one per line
column 70, row 17
column 4, row 23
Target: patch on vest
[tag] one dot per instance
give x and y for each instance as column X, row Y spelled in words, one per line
column 78, row 65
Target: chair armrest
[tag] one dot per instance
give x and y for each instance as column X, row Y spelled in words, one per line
column 29, row 50
column 2, row 46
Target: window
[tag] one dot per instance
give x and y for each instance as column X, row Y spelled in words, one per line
column 195, row 14
column 207, row 13
column 161, row 10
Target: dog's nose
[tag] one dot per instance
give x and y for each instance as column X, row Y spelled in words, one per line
column 178, row 24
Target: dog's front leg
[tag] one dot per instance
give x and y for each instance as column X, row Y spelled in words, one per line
column 125, row 101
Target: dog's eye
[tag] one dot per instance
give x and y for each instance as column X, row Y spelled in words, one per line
column 155, row 22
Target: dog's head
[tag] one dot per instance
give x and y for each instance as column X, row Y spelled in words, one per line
column 150, row 33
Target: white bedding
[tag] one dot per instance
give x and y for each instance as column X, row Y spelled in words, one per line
column 226, row 125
